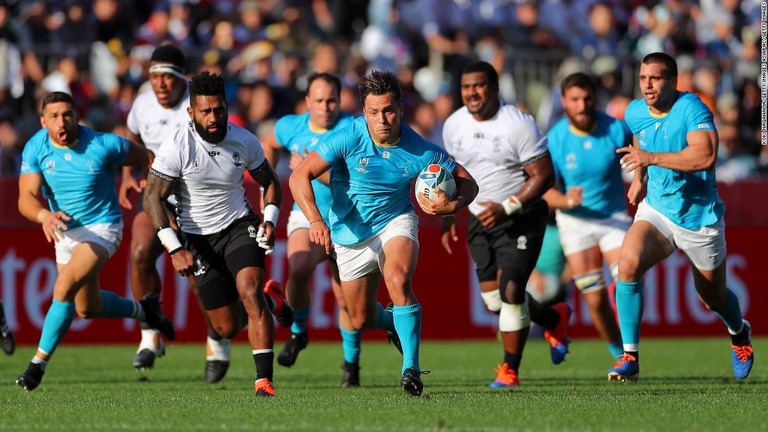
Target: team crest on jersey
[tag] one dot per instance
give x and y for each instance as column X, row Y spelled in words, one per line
column 385, row 155
column 522, row 242
column 570, row 161
column 404, row 167
column 496, row 144
column 362, row 164
column 587, row 145
column 67, row 157
column 236, row 159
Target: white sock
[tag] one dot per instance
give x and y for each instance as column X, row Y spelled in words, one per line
column 219, row 350
column 148, row 337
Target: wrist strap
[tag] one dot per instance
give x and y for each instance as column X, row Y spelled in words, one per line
column 512, row 205
column 271, row 213
column 169, row 240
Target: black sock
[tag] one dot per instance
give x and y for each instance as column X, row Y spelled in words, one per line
column 512, row 360
column 145, row 326
column 742, row 338
column 635, row 354
column 264, row 362
column 549, row 318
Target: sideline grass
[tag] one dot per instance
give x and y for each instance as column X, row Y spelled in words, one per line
column 685, row 384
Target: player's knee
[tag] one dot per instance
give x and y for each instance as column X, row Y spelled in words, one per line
column 628, row 267
column 492, row 300
column 141, row 254
column 514, row 317
column 512, row 286
column 226, row 330
column 300, row 267
column 398, row 281
column 87, row 312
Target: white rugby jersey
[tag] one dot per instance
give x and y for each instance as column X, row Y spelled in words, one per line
column 209, row 177
column 155, row 123
column 494, row 151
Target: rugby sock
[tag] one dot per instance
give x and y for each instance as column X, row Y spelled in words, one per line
column 384, row 319
column 114, row 306
column 300, row 320
column 616, row 348
column 408, row 325
column 629, row 301
column 217, row 349
column 512, row 360
column 38, row 361
column 731, row 316
column 55, row 326
column 3, row 324
column 263, row 358
column 350, row 344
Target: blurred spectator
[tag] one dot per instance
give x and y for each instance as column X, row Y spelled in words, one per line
column 600, row 38
column 250, row 27
column 10, row 149
column 525, row 32
column 734, row 161
column 17, row 57
column 75, row 33
column 383, row 43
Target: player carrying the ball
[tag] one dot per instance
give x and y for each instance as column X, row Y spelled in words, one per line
column 373, row 228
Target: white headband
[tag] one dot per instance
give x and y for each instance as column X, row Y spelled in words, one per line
column 167, row 68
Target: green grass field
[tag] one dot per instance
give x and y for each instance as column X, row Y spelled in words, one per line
column 685, row 384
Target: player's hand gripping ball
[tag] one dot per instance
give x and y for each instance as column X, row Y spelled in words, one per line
column 434, row 176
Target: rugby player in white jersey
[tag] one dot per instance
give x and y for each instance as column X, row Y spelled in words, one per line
column 224, row 241
column 504, row 150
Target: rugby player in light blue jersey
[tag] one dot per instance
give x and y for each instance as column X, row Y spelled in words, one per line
column 373, row 226
column 591, row 210
column 298, row 134
column 675, row 145
column 74, row 168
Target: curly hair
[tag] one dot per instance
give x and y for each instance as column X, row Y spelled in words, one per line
column 206, row 84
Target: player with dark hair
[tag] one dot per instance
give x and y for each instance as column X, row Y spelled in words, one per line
column 507, row 153
column 674, row 150
column 589, row 197
column 373, row 228
column 153, row 118
column 299, row 134
column 74, row 168
column 224, row 242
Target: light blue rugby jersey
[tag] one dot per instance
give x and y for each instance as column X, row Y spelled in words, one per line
column 371, row 184
column 689, row 199
column 293, row 133
column 80, row 181
column 590, row 161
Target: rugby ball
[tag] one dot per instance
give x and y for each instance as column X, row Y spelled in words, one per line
column 434, row 176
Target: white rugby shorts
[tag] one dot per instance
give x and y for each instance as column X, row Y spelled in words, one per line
column 362, row 258
column 579, row 234
column 705, row 247
column 296, row 220
column 105, row 235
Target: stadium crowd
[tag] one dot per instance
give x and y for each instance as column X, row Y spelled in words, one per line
column 98, row 51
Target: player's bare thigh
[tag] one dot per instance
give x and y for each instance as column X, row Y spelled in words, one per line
column 398, row 265
column 644, row 245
